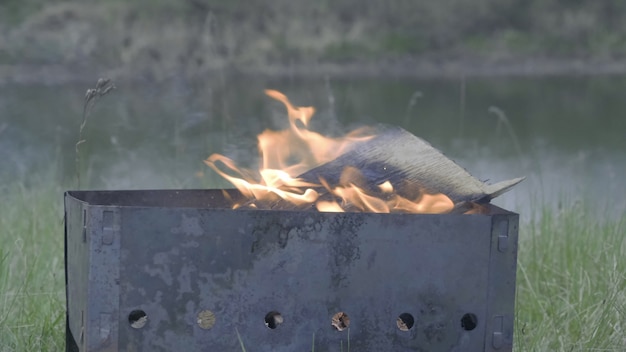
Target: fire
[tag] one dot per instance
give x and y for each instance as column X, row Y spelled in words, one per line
column 385, row 200
column 285, row 155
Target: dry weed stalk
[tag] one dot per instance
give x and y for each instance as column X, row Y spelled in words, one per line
column 103, row 87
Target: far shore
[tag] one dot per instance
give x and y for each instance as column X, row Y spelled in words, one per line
column 51, row 74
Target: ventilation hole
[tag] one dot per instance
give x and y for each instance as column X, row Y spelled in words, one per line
column 206, row 319
column 469, row 321
column 137, row 319
column 405, row 321
column 273, row 319
column 340, row 321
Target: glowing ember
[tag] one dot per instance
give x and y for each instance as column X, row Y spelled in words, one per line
column 287, row 154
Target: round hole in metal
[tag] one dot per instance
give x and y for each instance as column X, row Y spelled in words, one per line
column 405, row 321
column 340, row 321
column 206, row 319
column 273, row 319
column 137, row 319
column 469, row 321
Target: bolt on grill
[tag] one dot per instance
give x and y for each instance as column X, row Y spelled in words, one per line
column 171, row 270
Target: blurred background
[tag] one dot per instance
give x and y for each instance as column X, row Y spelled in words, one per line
column 164, row 38
column 506, row 88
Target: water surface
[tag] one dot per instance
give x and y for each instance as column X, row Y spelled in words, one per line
column 566, row 134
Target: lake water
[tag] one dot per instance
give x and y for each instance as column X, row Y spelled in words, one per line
column 567, row 135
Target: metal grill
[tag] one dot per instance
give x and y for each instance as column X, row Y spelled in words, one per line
column 173, row 270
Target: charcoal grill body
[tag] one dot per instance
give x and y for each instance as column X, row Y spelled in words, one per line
column 206, row 276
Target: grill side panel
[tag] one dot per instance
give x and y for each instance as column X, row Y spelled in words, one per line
column 206, row 279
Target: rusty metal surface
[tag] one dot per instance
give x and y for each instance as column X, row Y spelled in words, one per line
column 176, row 270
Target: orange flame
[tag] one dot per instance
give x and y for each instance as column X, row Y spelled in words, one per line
column 353, row 196
column 289, row 153
column 308, row 148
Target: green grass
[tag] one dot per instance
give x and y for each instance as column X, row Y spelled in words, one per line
column 571, row 280
column 32, row 301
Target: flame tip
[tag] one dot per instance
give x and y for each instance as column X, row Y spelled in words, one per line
column 287, row 154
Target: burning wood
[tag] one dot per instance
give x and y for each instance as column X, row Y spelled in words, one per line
column 378, row 169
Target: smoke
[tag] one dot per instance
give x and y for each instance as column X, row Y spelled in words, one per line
column 556, row 180
column 20, row 159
